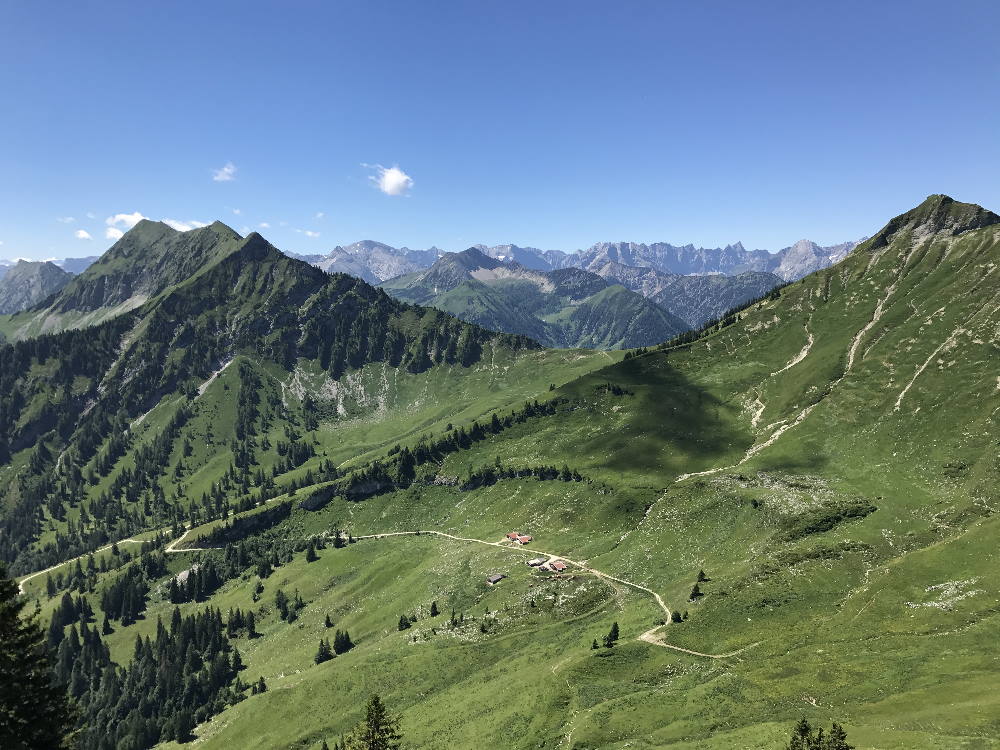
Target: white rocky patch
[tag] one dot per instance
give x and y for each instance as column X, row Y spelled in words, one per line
column 946, row 595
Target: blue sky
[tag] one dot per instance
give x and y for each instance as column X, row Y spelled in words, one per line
column 552, row 124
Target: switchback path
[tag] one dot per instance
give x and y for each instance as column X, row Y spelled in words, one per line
column 647, row 637
column 20, row 584
column 172, row 547
column 650, row 637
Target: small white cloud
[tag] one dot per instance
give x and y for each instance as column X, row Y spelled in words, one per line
column 308, row 233
column 320, row 214
column 113, row 233
column 124, row 220
column 184, row 226
column 264, row 225
column 237, row 211
column 391, row 180
column 82, row 234
column 225, row 174
column 65, row 219
column 91, row 215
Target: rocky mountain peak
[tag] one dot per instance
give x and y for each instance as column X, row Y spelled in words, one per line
column 938, row 214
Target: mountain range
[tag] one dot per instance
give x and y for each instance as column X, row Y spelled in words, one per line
column 789, row 263
column 789, row 513
column 72, row 265
column 377, row 262
column 612, row 306
column 568, row 308
column 619, row 307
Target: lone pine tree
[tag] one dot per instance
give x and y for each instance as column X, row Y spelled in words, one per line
column 379, row 730
column 611, row 638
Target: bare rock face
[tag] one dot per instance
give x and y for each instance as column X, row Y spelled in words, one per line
column 788, row 264
column 805, row 256
column 375, row 261
column 29, row 282
column 696, row 299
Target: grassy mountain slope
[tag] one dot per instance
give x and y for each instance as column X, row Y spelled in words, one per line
column 827, row 456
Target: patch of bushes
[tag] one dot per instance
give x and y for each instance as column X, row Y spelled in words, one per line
column 823, row 519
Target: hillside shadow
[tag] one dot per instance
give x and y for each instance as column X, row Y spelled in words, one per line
column 674, row 425
column 806, row 463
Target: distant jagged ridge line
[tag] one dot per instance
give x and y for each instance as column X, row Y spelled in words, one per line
column 377, row 261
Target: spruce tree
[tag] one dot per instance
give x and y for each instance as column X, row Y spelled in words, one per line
column 612, row 636
column 342, row 642
column 802, row 736
column 34, row 711
column 183, row 724
column 379, row 730
column 55, row 634
column 324, row 653
column 311, row 555
column 434, row 609
column 837, row 740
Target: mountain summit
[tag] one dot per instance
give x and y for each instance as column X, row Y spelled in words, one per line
column 149, row 258
column 938, row 214
column 146, row 261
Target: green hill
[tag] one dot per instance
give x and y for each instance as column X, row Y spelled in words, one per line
column 826, row 458
column 566, row 308
column 149, row 259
